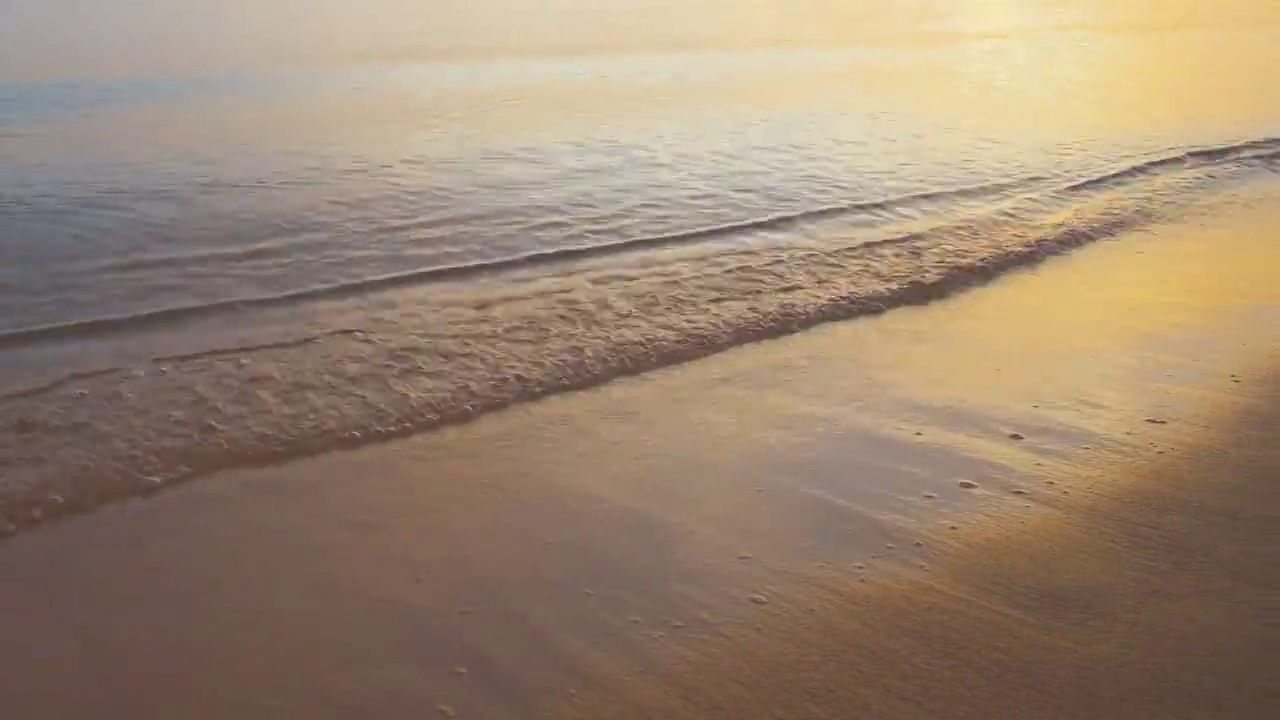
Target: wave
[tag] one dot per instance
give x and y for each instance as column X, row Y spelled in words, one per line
column 1264, row 149
column 161, row 316
column 66, row 379
column 1260, row 149
column 59, row 382
column 431, row 358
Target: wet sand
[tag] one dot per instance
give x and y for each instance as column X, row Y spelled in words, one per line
column 778, row 531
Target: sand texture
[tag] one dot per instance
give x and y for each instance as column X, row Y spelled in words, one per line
column 1055, row 496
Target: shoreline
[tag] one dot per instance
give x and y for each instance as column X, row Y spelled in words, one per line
column 172, row 418
column 779, row 528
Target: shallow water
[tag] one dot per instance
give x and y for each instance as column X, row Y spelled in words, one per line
column 242, row 259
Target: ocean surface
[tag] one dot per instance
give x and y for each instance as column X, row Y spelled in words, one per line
column 203, row 267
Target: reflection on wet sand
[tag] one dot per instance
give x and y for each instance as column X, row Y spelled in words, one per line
column 948, row 511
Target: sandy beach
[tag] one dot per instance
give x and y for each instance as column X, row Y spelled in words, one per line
column 1053, row 496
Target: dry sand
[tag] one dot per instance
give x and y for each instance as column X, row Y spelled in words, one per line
column 779, row 531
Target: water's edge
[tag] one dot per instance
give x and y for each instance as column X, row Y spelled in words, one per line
column 77, row 442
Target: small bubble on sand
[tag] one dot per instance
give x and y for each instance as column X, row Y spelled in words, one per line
column 243, row 362
column 918, row 543
column 745, row 556
column 1017, row 436
column 162, row 370
column 588, row 591
column 890, row 546
column 1020, row 491
column 676, row 624
column 759, row 600
column 79, row 393
column 446, row 711
column 37, row 513
column 860, row 566
column 1157, row 421
column 968, row 484
column 930, row 496
column 460, row 671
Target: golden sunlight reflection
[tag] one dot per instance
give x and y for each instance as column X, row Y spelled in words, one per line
column 151, row 37
column 493, row 358
column 982, row 65
column 1192, row 280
